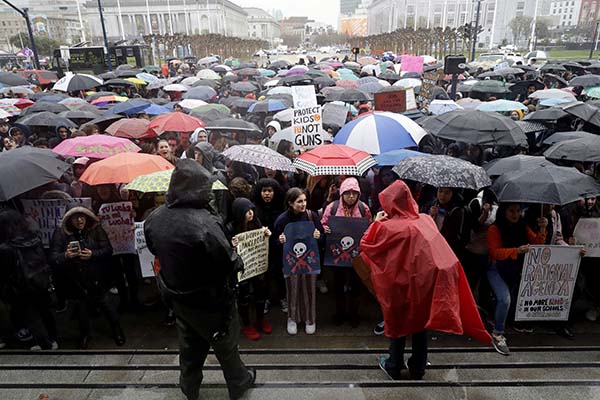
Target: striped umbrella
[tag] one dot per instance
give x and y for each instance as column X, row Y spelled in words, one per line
column 380, row 132
column 334, row 159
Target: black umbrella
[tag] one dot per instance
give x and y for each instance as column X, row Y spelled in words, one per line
column 206, row 82
column 231, row 78
column 41, row 95
column 245, row 65
column 242, row 103
column 104, row 121
column 244, row 87
column 350, row 95
column 118, row 83
column 501, row 166
column 26, row 168
column 44, row 106
column 390, row 76
column 296, row 80
column 11, row 79
column 77, row 82
column 107, row 75
column 248, row 72
column 324, row 81
column 586, row 112
column 204, row 93
column 562, row 136
column 129, row 73
column 522, row 86
column 551, row 78
column 279, row 64
column 549, row 115
column 210, row 115
column 552, row 68
column 476, row 127
column 546, row 184
column 79, row 114
column 232, row 124
column 585, row 149
column 490, row 87
column 585, row 80
column 46, row 119
column 412, row 75
column 287, row 99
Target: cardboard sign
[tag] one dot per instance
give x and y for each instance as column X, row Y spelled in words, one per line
column 304, row 96
column 411, row 64
column 547, row 283
column 429, row 82
column 144, row 254
column 587, row 233
column 253, row 248
column 343, row 243
column 301, row 250
column 117, row 221
column 307, row 125
column 396, row 101
column 46, row 215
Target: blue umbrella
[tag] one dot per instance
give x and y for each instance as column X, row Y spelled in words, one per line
column 269, row 105
column 554, row 102
column 129, row 107
column 53, row 98
column 380, row 132
column 266, row 72
column 146, row 77
column 204, row 93
column 393, row 157
column 155, row 109
column 501, row 106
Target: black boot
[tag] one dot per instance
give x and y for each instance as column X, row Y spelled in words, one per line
column 118, row 335
column 84, row 342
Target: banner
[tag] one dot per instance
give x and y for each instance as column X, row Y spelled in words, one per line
column 253, row 249
column 46, row 215
column 144, row 254
column 547, row 283
column 117, row 221
column 343, row 243
column 587, row 233
column 411, row 64
column 300, row 250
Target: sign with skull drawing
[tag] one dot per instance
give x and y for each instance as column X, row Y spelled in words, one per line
column 343, row 243
column 301, row 250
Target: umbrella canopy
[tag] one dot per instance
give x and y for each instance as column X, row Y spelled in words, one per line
column 155, row 109
column 549, row 114
column 104, row 100
column 259, row 155
column 244, row 87
column 443, row 171
column 334, row 159
column 157, row 84
column 585, row 149
column 130, row 107
column 241, row 102
column 585, row 81
column 190, row 104
column 123, row 168
column 175, row 122
column 206, row 82
column 207, row 107
column 16, row 90
column 118, row 83
column 95, row 146
column 155, row 182
column 501, row 166
column 44, row 106
column 380, row 132
column 585, row 111
column 232, row 124
column 367, row 61
column 11, row 79
column 351, row 95
column 491, row 87
column 46, row 119
column 552, row 94
column 439, row 107
column 546, row 184
column 79, row 115
column 393, row 157
column 267, row 106
column 407, row 83
column 209, row 114
column 562, row 136
column 208, row 74
column 204, row 93
column 175, row 88
column 476, row 127
column 501, row 106
column 593, row 92
column 146, row 77
column 131, row 128
column 73, row 102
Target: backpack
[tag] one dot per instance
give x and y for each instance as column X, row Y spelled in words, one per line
column 361, row 208
column 466, row 224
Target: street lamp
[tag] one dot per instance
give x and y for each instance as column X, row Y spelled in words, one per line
column 594, row 39
column 106, row 51
column 25, row 14
column 476, row 31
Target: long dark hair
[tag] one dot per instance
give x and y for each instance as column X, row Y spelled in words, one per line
column 12, row 226
column 513, row 235
column 292, row 195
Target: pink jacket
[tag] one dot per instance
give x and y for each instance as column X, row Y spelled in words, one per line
column 347, row 184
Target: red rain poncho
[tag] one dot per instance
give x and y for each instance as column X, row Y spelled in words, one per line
column 418, row 280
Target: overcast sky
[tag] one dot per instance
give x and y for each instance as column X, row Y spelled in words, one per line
column 319, row 10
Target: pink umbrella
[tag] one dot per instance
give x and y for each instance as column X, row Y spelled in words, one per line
column 294, row 72
column 347, row 84
column 335, row 64
column 95, row 146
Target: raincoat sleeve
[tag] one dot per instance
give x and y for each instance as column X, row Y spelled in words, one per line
column 326, row 214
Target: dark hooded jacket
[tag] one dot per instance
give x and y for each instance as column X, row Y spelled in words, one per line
column 57, row 139
column 268, row 212
column 90, row 277
column 222, row 199
column 197, row 261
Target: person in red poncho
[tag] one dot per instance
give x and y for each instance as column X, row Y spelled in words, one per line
column 418, row 281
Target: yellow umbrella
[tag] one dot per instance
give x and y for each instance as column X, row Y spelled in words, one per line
column 136, row 81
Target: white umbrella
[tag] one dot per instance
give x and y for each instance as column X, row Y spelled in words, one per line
column 208, row 74
column 175, row 88
column 371, row 69
column 189, row 81
column 284, row 115
column 74, row 82
column 16, row 90
column 552, row 94
column 280, row 90
column 190, row 104
column 439, row 107
column 271, row 83
column 408, row 83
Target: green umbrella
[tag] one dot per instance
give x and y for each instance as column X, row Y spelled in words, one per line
column 207, row 107
column 158, row 182
column 593, row 92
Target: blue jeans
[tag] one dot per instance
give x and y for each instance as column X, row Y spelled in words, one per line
column 504, row 278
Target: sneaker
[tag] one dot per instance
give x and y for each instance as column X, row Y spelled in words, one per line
column 267, row 307
column 284, row 306
column 292, row 327
column 379, row 329
column 500, row 345
column 23, row 335
column 170, row 319
column 265, row 326
column 592, row 315
column 310, row 329
column 54, row 345
column 382, row 362
column 37, row 347
column 114, row 290
column 322, row 286
column 250, row 332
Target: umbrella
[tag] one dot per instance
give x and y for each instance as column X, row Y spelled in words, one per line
column 11, row 79
column 245, row 87
column 562, row 136
column 351, row 95
column 546, row 184
column 373, row 87
column 208, row 60
column 586, row 112
column 549, row 114
column 79, row 114
column 266, row 106
column 146, row 77
column 367, row 60
column 157, row 84
column 131, row 128
column 476, row 127
column 73, row 102
column 16, row 90
column 373, row 70
column 390, row 76
column 249, row 72
column 280, row 90
column 408, row 83
column 380, row 132
column 296, row 80
column 92, row 96
column 175, row 122
column 95, row 146
column 593, row 92
column 443, row 171
column 284, row 115
column 208, row 74
column 123, row 168
column 522, row 86
column 189, row 81
column 232, row 124
column 334, row 159
column 46, row 119
column 4, row 114
column 26, row 168
column 279, row 64
column 241, row 102
column 585, row 149
column 490, row 87
column 205, row 93
column 259, row 155
column 104, row 120
column 175, row 88
column 44, row 106
column 554, row 102
column 118, row 83
column 155, row 109
column 552, row 67
column 155, row 182
column 130, row 107
column 347, row 84
column 109, row 99
column 393, row 157
column 206, row 82
column 221, row 68
column 207, row 107
column 551, row 94
column 324, row 81
column 501, row 106
column 190, row 104
column 585, row 81
column 501, row 166
column 137, row 81
column 209, row 114
column 439, row 107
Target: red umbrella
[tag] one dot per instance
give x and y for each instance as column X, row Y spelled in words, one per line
column 131, row 128
column 23, row 103
column 123, row 168
column 176, row 122
column 334, row 159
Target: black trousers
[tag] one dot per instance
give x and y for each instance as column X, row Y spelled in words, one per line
column 195, row 331
column 417, row 361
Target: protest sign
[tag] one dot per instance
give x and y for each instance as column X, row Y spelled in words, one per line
column 307, row 125
column 144, row 254
column 393, row 101
column 501, row 66
column 253, row 249
column 411, row 64
column 343, row 243
column 587, row 233
column 427, row 87
column 304, row 96
column 46, row 215
column 117, row 221
column 547, row 283
column 301, row 250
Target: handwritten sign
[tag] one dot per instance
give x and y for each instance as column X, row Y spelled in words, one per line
column 393, row 101
column 304, row 96
column 428, row 84
column 46, row 215
column 300, row 251
column 343, row 243
column 587, row 233
column 253, row 248
column 117, row 221
column 547, row 283
column 143, row 252
column 411, row 64
column 307, row 125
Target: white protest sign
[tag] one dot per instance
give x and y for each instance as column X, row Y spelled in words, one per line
column 547, row 283
column 46, row 215
column 144, row 254
column 501, row 66
column 304, row 96
column 117, row 221
column 307, row 124
column 253, row 248
column 587, row 233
